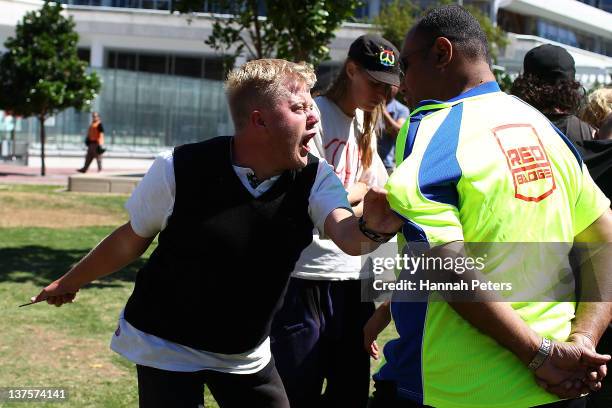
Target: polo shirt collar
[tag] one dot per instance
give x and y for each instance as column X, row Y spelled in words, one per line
column 485, row 88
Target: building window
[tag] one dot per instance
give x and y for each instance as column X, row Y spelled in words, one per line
column 84, row 54
column 121, row 60
column 362, row 12
column 605, row 5
column 214, row 68
column 157, row 64
column 193, row 66
column 188, row 66
column 521, row 24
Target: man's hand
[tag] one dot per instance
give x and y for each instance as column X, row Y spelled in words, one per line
column 571, row 370
column 376, row 324
column 595, row 376
column 57, row 293
column 115, row 251
column 378, row 214
column 356, row 192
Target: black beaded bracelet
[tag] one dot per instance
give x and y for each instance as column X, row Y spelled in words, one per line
column 373, row 235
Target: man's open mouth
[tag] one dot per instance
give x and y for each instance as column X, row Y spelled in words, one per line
column 305, row 140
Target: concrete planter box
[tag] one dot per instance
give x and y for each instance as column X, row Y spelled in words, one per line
column 122, row 183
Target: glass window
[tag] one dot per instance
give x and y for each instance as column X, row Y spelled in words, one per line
column 194, row 66
column 153, row 63
column 155, row 4
column 84, row 54
column 125, row 61
column 362, row 12
column 188, row 66
column 213, row 68
column 606, row 5
column 211, row 6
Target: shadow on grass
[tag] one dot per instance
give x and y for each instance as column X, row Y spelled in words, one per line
column 42, row 265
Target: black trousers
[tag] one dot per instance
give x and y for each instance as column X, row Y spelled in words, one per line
column 172, row 389
column 603, row 398
column 385, row 396
column 317, row 335
column 92, row 153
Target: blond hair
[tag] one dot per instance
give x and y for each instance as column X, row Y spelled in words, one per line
column 338, row 91
column 262, row 82
column 599, row 105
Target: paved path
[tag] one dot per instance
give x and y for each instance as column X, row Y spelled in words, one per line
column 59, row 168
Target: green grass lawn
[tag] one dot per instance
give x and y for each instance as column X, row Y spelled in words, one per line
column 44, row 346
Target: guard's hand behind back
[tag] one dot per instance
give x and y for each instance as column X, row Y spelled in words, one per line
column 571, row 370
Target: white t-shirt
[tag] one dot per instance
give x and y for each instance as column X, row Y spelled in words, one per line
column 149, row 207
column 337, row 142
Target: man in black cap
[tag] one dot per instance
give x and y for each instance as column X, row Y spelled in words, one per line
column 548, row 84
column 318, row 334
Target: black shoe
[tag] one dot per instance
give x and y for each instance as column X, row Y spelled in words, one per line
column 81, row 170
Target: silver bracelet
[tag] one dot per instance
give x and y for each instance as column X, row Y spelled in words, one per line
column 541, row 355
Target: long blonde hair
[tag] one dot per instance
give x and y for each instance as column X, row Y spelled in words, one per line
column 338, row 91
column 599, row 105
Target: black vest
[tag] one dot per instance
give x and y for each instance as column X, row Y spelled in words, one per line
column 597, row 154
column 221, row 268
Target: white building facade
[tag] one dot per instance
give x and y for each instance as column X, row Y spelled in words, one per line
column 162, row 83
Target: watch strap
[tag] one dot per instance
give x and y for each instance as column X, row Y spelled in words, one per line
column 541, row 355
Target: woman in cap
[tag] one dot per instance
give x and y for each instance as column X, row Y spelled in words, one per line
column 318, row 334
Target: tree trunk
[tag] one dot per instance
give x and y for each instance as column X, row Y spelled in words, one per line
column 41, row 119
column 258, row 46
column 13, row 137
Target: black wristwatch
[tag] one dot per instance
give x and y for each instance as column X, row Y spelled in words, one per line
column 373, row 235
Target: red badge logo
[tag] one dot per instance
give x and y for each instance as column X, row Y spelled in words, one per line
column 527, row 160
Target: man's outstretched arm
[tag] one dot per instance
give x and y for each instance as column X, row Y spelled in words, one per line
column 117, row 250
column 343, row 227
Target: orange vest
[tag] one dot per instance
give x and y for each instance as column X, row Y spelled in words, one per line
column 94, row 134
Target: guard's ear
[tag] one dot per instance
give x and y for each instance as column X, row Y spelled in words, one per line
column 257, row 119
column 443, row 51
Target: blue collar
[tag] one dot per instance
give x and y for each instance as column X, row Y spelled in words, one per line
column 487, row 87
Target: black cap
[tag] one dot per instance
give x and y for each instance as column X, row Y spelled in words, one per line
column 549, row 62
column 378, row 57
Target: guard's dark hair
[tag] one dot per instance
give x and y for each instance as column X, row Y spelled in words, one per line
column 562, row 96
column 457, row 25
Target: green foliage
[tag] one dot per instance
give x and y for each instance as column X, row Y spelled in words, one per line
column 503, row 80
column 42, row 59
column 40, row 73
column 296, row 30
column 68, row 346
column 398, row 16
column 395, row 19
column 496, row 37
